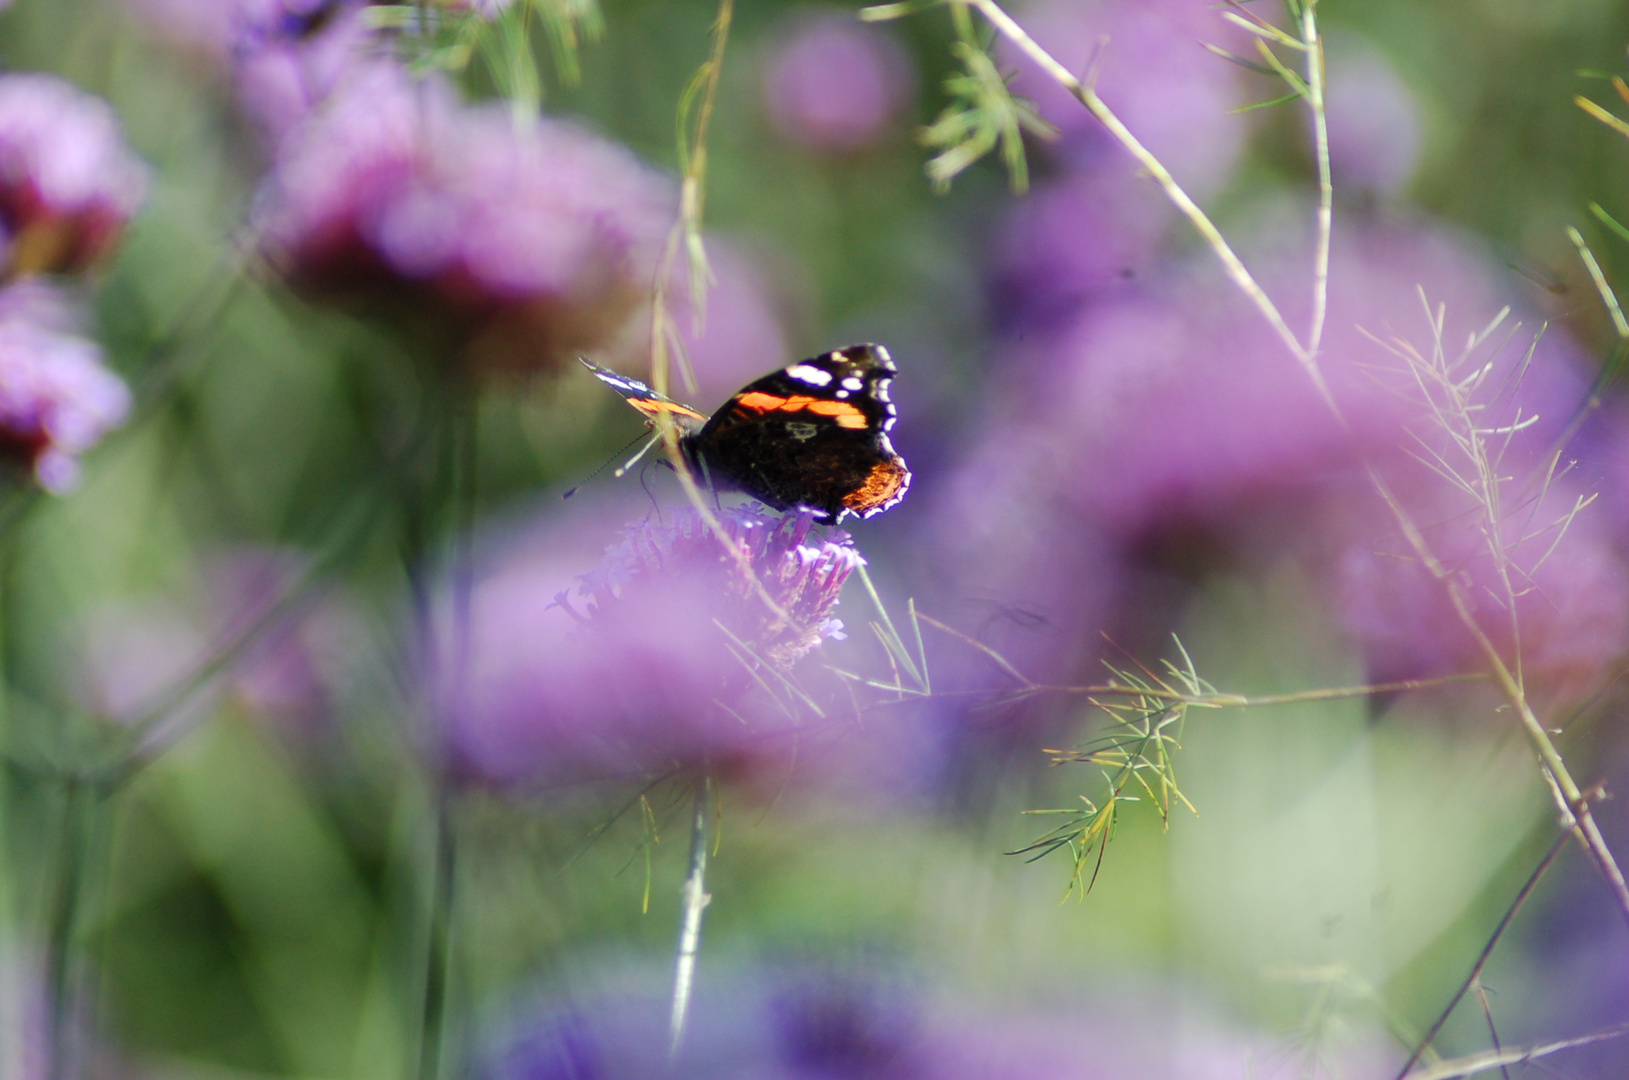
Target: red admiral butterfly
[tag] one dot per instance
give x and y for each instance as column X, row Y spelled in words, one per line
column 813, row 435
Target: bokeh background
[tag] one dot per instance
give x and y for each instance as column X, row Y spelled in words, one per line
column 342, row 275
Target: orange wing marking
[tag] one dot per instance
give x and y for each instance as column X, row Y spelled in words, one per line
column 884, row 486
column 650, row 407
column 846, row 414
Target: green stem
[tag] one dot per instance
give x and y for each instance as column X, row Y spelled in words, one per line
column 78, row 809
column 434, row 1027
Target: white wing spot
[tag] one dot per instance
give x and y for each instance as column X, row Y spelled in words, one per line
column 808, row 373
column 853, row 382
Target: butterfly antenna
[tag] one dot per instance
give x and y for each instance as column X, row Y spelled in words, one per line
column 584, row 481
column 655, row 438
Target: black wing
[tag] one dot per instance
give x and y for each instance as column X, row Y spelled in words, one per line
column 814, row 434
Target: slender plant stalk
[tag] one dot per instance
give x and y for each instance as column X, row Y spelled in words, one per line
column 1312, row 40
column 686, row 235
column 1473, row 1064
column 1569, row 797
column 436, row 1033
column 695, row 899
column 1231, row 263
column 79, row 805
column 451, row 487
column 1487, row 952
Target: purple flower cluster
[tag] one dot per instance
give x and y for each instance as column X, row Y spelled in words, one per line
column 834, row 84
column 1149, row 430
column 56, row 398
column 1147, row 62
column 656, row 662
column 68, row 186
column 68, row 182
column 139, row 652
column 526, row 243
column 284, row 56
column 799, row 1021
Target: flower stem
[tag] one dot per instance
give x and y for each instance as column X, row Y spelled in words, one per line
column 434, row 1028
column 78, row 809
column 695, row 899
column 1487, row 952
column 1314, row 43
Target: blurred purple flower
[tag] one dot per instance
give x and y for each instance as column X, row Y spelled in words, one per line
column 1164, row 434
column 56, row 398
column 1569, row 622
column 1375, row 129
column 834, row 84
column 1076, row 237
column 794, row 1021
column 285, row 57
column 1175, row 401
column 140, row 652
column 654, row 663
column 1148, row 64
column 68, row 182
column 301, row 660
column 513, row 247
column 25, row 1007
column 289, row 56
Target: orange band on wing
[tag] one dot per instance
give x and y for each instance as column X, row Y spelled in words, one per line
column 757, row 401
column 651, row 406
column 846, row 415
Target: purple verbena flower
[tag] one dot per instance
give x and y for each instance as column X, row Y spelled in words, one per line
column 1147, row 62
column 517, row 247
column 289, row 56
column 655, row 662
column 1559, row 609
column 1376, row 132
column 68, row 181
column 835, row 84
column 290, row 656
column 283, row 57
column 804, row 1021
column 56, row 398
column 803, row 579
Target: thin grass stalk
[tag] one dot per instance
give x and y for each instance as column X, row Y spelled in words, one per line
column 1231, row 263
column 436, row 1033
column 695, row 899
column 686, row 234
column 449, row 486
column 11, row 1023
column 1313, row 40
column 79, row 806
column 1570, row 799
column 1487, row 952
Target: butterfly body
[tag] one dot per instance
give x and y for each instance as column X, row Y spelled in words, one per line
column 814, row 434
